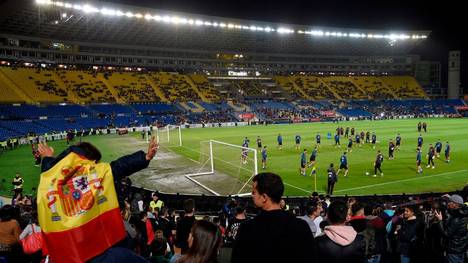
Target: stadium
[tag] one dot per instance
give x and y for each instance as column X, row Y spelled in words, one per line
column 226, row 99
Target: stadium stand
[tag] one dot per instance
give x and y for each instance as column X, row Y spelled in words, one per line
column 209, row 92
column 86, row 86
column 40, row 84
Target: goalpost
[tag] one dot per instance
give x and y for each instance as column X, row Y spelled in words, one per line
column 170, row 135
column 225, row 169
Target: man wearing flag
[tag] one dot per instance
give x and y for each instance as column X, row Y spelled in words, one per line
column 78, row 203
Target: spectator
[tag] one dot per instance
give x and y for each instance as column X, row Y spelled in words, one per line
column 184, row 226
column 204, row 242
column 111, row 226
column 454, row 229
column 235, row 223
column 9, row 234
column 160, row 252
column 340, row 243
column 366, row 226
column 273, row 235
column 32, row 227
column 409, row 236
column 313, row 210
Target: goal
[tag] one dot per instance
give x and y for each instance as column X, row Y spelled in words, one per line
column 225, row 169
column 170, row 135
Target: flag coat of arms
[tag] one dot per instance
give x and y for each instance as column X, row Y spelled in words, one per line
column 78, row 209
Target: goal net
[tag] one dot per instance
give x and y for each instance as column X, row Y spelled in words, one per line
column 170, row 135
column 225, row 169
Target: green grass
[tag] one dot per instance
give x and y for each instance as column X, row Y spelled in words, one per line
column 400, row 174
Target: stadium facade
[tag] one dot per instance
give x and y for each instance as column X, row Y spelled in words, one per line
column 106, row 34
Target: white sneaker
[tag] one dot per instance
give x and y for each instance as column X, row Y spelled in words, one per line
column 433, row 167
column 381, row 174
column 428, row 166
column 375, row 175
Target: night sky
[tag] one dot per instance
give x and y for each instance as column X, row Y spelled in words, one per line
column 445, row 21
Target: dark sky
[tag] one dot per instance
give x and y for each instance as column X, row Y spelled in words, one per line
column 443, row 18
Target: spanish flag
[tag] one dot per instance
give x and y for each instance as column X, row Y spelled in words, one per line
column 78, row 209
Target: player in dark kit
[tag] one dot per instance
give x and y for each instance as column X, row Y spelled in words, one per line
column 378, row 164
column 374, row 140
column 391, row 149
column 317, row 139
column 447, row 152
column 346, row 134
column 424, row 126
column 298, row 141
column 362, row 137
column 313, row 157
column 367, row 137
column 419, row 126
column 303, row 162
column 350, row 145
column 259, row 142
column 398, row 141
column 352, row 131
column 430, row 156
column 332, row 179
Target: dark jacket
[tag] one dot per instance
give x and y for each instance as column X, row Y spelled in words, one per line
column 410, row 238
column 122, row 167
column 328, row 250
column 455, row 231
column 273, row 236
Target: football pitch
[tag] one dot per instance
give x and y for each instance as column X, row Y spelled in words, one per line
column 400, row 176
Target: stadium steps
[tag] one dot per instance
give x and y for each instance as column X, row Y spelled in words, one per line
column 7, row 94
column 71, row 95
column 156, row 88
column 192, row 106
column 295, row 87
column 101, row 77
column 195, row 88
column 11, row 85
column 320, row 80
column 185, row 106
column 241, row 107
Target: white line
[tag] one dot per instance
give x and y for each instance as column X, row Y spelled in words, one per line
column 297, row 188
column 399, row 181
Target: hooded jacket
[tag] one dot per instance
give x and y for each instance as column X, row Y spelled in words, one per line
column 455, row 231
column 340, row 244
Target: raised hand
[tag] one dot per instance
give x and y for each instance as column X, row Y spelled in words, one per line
column 152, row 149
column 45, row 150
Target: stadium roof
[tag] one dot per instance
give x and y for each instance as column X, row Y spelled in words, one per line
column 108, row 23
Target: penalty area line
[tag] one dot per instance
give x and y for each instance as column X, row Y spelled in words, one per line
column 399, row 181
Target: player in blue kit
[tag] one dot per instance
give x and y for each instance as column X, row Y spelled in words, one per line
column 419, row 160
column 337, row 140
column 264, row 157
column 343, row 164
column 279, row 139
